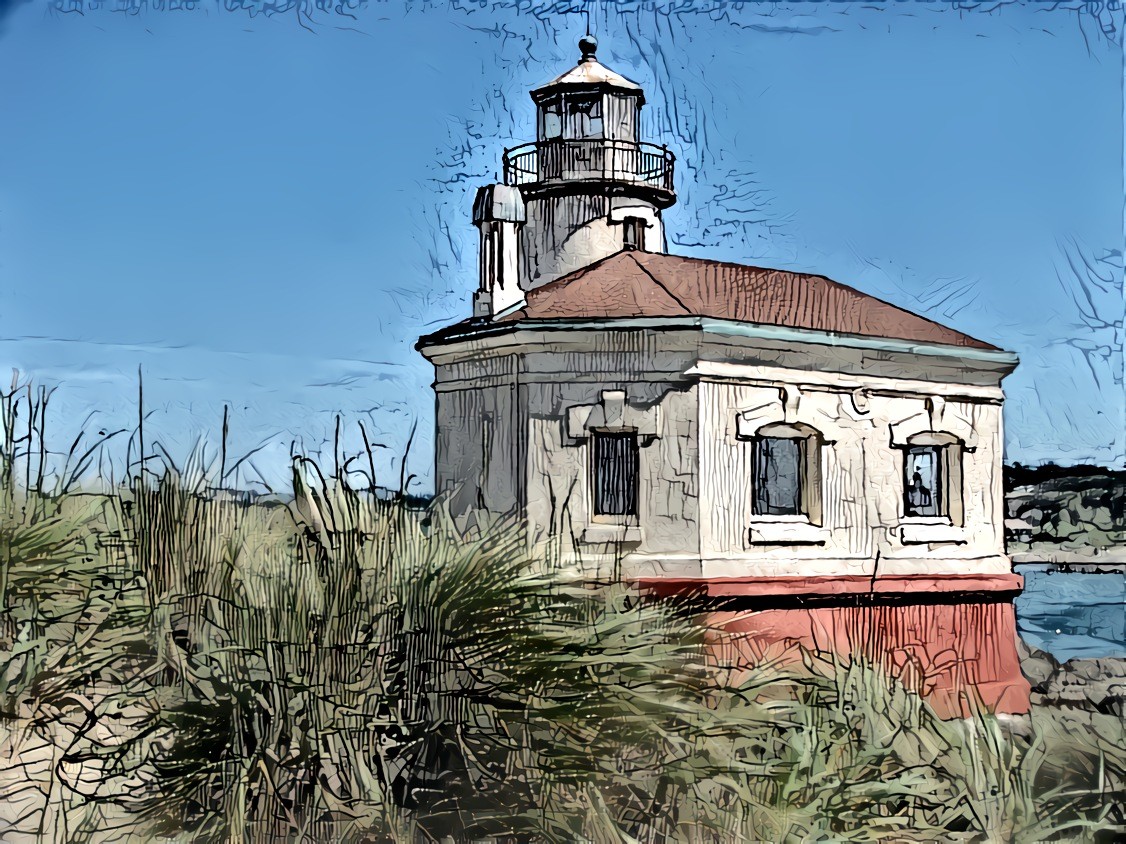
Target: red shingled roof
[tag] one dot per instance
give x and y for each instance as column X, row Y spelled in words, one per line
column 646, row 284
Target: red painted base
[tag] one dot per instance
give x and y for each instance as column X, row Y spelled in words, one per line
column 957, row 646
column 957, row 655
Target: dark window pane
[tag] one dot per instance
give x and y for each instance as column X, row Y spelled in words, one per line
column 632, row 228
column 586, row 117
column 552, row 124
column 921, row 482
column 615, row 474
column 777, row 464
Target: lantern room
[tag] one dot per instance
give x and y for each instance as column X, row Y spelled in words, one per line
column 587, row 126
column 590, row 101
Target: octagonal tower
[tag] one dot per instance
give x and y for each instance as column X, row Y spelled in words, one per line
column 587, row 187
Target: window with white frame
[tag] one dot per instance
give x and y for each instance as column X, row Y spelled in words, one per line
column 786, row 476
column 613, row 432
column 932, row 477
column 922, row 481
column 552, row 117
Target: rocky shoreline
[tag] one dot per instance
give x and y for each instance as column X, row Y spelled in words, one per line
column 1094, row 685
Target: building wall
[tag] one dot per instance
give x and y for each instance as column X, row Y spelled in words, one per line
column 478, row 442
column 503, row 443
column 507, row 442
column 559, row 477
column 566, row 375
column 862, row 529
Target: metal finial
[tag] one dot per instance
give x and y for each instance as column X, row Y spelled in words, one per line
column 589, row 45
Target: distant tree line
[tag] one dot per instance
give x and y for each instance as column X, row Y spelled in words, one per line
column 1071, row 507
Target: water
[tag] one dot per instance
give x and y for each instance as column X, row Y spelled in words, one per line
column 1073, row 615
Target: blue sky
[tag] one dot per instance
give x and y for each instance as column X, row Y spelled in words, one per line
column 266, row 210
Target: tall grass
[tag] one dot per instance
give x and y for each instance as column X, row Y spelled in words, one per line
column 343, row 667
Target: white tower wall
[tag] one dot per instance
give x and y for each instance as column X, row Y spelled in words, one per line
column 566, row 233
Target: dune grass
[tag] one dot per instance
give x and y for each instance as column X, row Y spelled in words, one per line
column 344, row 667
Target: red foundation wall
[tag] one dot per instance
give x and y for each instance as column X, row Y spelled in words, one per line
column 952, row 639
column 955, row 654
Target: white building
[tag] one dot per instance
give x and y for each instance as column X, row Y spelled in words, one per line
column 771, row 437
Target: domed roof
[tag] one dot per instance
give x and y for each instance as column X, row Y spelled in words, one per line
column 588, row 73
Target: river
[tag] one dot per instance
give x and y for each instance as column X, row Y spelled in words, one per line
column 1073, row 615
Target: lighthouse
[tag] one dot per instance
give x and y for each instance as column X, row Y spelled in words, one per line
column 587, row 187
column 825, row 464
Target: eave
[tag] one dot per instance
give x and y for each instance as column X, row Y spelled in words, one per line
column 475, row 330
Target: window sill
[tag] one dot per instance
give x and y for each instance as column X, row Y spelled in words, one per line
column 786, row 532
column 926, row 530
column 598, row 534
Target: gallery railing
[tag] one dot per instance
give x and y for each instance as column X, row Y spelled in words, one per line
column 592, row 159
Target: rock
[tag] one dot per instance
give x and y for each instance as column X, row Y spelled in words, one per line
column 1097, row 685
column 1090, row 670
column 1037, row 666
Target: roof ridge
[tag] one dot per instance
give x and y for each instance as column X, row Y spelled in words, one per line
column 659, row 283
column 716, row 261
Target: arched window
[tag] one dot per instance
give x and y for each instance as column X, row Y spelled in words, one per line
column 932, row 476
column 786, row 471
